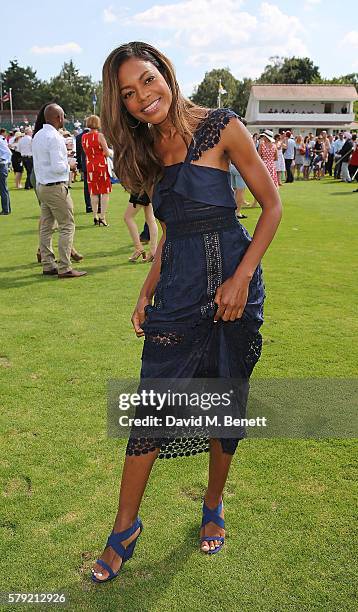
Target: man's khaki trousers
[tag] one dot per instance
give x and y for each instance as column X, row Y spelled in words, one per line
column 56, row 204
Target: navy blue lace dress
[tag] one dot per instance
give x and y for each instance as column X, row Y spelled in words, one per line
column 204, row 245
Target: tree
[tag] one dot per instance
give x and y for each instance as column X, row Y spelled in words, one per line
column 242, row 96
column 206, row 93
column 72, row 90
column 26, row 87
column 295, row 70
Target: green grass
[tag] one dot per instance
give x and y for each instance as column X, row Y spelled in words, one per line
column 289, row 503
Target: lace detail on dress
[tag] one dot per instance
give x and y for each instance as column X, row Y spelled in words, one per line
column 208, row 133
column 214, row 270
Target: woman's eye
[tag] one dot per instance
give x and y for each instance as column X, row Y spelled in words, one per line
column 126, row 95
column 149, row 79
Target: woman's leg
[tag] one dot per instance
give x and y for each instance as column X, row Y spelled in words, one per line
column 135, row 474
column 219, row 465
column 129, row 215
column 94, row 204
column 18, row 176
column 153, row 228
column 104, row 206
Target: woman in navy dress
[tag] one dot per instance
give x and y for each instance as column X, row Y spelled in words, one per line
column 201, row 305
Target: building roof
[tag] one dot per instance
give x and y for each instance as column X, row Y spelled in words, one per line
column 342, row 93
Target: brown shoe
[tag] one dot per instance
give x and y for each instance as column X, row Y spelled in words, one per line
column 72, row 274
column 50, row 272
column 76, row 256
column 38, row 255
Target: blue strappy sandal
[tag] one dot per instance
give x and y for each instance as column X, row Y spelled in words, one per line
column 213, row 516
column 115, row 541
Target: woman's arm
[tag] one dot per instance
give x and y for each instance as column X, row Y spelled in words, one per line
column 103, row 143
column 238, row 146
column 149, row 286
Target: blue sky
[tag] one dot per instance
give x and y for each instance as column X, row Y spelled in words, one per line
column 197, row 35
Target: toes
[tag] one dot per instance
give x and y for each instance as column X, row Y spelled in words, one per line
column 205, row 546
column 212, row 545
column 99, row 572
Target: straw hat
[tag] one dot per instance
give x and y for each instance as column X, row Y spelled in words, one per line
column 268, row 134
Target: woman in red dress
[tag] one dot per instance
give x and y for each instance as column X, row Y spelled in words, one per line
column 99, row 184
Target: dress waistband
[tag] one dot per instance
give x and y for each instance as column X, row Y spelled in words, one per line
column 178, row 229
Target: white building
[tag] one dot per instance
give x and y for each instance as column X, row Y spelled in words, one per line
column 301, row 108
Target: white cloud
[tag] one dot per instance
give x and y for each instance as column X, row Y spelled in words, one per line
column 310, row 4
column 109, row 16
column 70, row 47
column 217, row 33
column 351, row 39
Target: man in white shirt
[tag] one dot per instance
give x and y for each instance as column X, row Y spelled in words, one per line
column 289, row 156
column 25, row 149
column 52, row 173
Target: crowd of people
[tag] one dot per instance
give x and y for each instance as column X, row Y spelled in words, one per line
column 66, row 156
column 88, row 157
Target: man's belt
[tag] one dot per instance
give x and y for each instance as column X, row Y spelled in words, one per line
column 51, row 184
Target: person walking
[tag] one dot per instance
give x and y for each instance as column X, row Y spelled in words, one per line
column 25, row 150
column 16, row 159
column 206, row 278
column 289, row 156
column 52, row 174
column 135, row 204
column 99, row 183
column 338, row 144
column 5, row 158
column 299, row 155
column 81, row 165
column 280, row 162
column 345, row 154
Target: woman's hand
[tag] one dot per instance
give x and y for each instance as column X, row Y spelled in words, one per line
column 231, row 298
column 138, row 315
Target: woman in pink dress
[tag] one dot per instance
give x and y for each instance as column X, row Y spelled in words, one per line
column 268, row 153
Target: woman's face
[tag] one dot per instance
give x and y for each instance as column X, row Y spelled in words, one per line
column 144, row 91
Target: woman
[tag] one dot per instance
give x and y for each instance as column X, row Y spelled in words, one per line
column 136, row 203
column 99, row 184
column 268, row 153
column 307, row 158
column 206, row 277
column 16, row 159
column 280, row 161
column 299, row 155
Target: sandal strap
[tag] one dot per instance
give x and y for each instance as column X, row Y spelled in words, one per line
column 108, row 569
column 212, row 539
column 115, row 539
column 213, row 516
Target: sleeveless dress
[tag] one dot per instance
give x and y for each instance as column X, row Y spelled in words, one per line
column 268, row 153
column 99, row 182
column 203, row 247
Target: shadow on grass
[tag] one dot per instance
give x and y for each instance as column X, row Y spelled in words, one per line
column 341, row 193
column 139, row 588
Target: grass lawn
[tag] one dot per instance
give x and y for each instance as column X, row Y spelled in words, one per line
column 289, row 503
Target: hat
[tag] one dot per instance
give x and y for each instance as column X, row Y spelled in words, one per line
column 268, row 134
column 347, row 135
column 18, row 134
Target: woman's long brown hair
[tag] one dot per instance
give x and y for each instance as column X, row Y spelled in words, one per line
column 135, row 161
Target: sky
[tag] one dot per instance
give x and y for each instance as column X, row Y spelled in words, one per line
column 197, row 35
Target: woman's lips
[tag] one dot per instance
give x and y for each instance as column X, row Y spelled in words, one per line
column 152, row 108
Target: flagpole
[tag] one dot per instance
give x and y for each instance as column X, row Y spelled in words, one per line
column 11, row 112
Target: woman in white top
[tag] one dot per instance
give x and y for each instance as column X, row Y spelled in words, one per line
column 280, row 161
column 16, row 159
